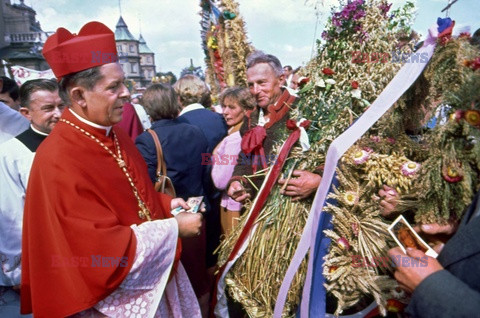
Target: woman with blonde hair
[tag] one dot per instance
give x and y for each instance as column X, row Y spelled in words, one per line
column 236, row 103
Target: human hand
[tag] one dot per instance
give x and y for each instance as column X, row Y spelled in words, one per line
column 389, row 200
column 189, row 224
column 179, row 202
column 412, row 268
column 300, row 187
column 437, row 234
column 237, row 192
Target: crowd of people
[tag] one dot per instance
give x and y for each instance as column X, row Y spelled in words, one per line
column 83, row 231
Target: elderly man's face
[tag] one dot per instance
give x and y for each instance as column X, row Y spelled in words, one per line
column 264, row 84
column 105, row 101
column 44, row 110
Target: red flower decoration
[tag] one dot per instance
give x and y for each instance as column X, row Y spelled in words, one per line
column 452, row 173
column 328, row 71
column 475, row 64
column 354, row 84
column 394, row 305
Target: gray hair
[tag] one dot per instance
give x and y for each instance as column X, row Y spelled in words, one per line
column 258, row 57
column 87, row 78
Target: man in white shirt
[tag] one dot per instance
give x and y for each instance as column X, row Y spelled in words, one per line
column 42, row 107
column 11, row 122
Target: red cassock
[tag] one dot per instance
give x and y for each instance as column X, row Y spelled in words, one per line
column 130, row 121
column 78, row 210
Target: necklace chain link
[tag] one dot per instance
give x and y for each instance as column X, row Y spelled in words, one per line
column 143, row 210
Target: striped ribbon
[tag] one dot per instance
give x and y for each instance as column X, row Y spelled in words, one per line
column 394, row 90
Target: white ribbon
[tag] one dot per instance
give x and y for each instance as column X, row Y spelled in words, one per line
column 304, row 142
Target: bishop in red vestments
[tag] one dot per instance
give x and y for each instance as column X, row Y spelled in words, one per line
column 97, row 238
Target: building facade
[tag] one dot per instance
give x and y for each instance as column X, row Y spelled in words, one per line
column 147, row 62
column 135, row 57
column 22, row 36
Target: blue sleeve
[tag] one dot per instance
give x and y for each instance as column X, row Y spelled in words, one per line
column 147, row 149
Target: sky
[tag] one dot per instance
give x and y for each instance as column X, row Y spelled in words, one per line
column 285, row 28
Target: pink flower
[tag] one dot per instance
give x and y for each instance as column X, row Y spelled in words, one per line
column 361, row 156
column 391, row 140
column 343, row 243
column 409, row 168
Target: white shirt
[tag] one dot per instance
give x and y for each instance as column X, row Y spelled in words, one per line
column 15, row 163
column 12, row 123
column 88, row 122
column 191, row 107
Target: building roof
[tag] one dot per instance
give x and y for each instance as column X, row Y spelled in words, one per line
column 143, row 48
column 22, row 5
column 122, row 33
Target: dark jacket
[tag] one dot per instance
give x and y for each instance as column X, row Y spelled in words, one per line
column 455, row 291
column 212, row 125
column 183, row 146
column 275, row 136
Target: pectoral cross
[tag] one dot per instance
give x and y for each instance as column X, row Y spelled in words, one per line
column 143, row 212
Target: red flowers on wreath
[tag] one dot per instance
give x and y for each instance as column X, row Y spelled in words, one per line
column 472, row 116
column 473, row 64
column 354, row 84
column 452, row 173
column 328, row 71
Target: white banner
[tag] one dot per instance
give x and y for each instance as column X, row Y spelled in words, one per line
column 22, row 74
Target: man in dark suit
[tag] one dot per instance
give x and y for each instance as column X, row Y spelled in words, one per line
column 448, row 286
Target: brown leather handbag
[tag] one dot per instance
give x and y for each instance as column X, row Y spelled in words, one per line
column 163, row 183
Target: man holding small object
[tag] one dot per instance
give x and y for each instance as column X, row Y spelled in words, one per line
column 90, row 197
column 265, row 77
column 448, row 286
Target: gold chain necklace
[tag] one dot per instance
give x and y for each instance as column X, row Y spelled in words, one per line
column 143, row 212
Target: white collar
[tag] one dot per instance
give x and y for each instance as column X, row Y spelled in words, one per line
column 261, row 118
column 190, row 108
column 83, row 120
column 38, row 131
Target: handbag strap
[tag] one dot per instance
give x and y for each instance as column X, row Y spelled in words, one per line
column 161, row 166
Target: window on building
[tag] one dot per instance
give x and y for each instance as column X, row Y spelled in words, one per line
column 149, row 59
column 119, row 48
column 132, row 48
column 133, row 67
